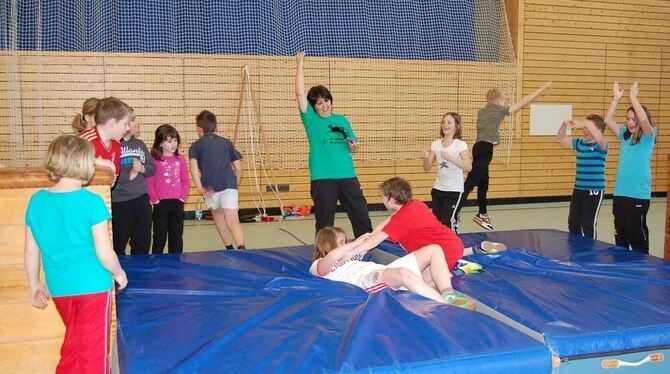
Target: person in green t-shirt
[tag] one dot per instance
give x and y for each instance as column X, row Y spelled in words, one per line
column 331, row 167
column 489, row 119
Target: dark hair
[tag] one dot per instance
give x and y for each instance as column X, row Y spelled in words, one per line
column 638, row 130
column 316, row 92
column 597, row 120
column 163, row 133
column 206, row 120
column 457, row 120
column 111, row 108
column 398, row 189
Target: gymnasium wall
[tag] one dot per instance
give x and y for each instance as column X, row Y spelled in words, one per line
column 583, row 46
column 173, row 88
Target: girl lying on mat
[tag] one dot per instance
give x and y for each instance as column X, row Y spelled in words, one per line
column 337, row 260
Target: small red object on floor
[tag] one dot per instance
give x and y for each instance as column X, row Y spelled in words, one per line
column 266, row 218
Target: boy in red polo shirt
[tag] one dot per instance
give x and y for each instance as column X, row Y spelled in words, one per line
column 111, row 117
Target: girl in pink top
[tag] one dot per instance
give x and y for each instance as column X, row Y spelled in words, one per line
column 168, row 190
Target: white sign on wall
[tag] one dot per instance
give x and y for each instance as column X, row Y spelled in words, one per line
column 545, row 119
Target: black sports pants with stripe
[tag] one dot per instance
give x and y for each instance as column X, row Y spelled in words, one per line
column 630, row 223
column 584, row 208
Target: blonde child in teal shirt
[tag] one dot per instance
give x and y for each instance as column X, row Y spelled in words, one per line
column 67, row 231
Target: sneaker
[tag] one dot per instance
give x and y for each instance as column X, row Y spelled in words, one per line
column 452, row 298
column 488, row 248
column 466, row 267
column 483, row 220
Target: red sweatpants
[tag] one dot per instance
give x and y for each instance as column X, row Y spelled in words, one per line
column 87, row 321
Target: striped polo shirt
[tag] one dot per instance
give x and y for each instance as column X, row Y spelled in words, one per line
column 590, row 165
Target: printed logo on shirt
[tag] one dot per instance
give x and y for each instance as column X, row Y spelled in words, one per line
column 128, row 154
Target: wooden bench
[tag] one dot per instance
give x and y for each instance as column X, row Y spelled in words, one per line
column 30, row 338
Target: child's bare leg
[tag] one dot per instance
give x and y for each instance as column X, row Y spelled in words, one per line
column 233, row 222
column 425, row 273
column 432, row 257
column 401, row 277
column 221, row 227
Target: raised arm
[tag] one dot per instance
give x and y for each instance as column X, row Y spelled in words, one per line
column 640, row 114
column 562, row 136
column 595, row 133
column 609, row 117
column 529, row 98
column 300, row 95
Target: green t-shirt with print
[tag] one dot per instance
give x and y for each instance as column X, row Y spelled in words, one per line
column 329, row 154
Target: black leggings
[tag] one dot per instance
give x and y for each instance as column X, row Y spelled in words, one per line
column 131, row 221
column 168, row 220
column 325, row 194
column 482, row 154
column 630, row 223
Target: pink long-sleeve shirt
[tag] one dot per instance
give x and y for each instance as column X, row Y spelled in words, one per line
column 170, row 181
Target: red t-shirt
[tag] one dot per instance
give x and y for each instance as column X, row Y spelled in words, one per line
column 113, row 153
column 414, row 226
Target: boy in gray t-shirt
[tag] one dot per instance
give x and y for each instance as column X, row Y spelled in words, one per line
column 489, row 119
column 131, row 207
column 216, row 169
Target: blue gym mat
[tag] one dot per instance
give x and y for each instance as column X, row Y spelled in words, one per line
column 260, row 311
column 586, row 297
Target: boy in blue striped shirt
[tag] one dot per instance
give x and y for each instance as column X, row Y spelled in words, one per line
column 591, row 151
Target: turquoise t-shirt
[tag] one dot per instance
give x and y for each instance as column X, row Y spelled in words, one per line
column 633, row 176
column 61, row 224
column 329, row 154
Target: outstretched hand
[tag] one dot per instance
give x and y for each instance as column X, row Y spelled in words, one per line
column 617, row 90
column 300, row 56
column 634, row 90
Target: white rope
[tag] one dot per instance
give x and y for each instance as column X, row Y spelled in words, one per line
column 256, row 157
